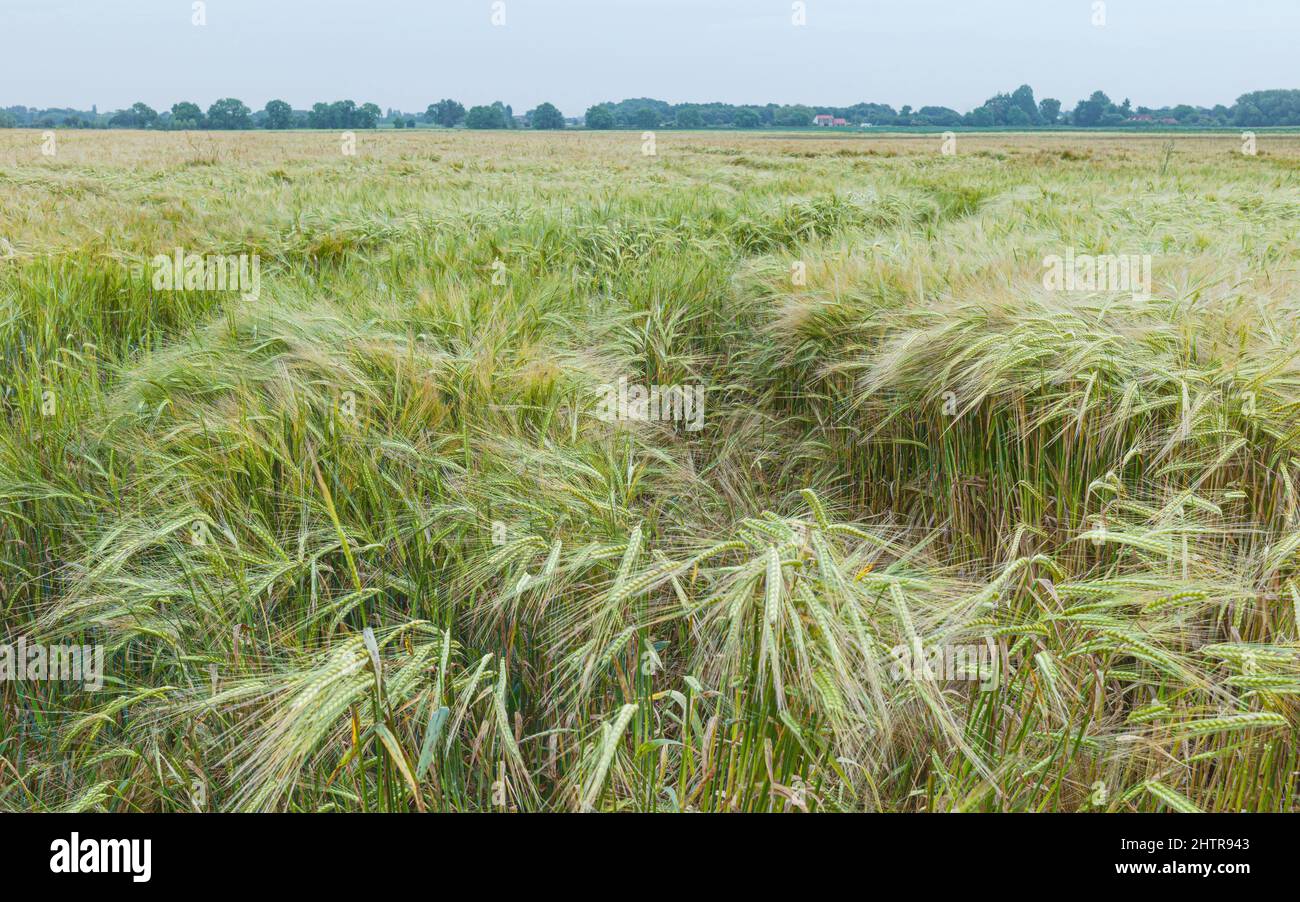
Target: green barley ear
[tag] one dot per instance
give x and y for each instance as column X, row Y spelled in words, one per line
column 774, row 587
column 610, row 734
column 815, row 505
column 92, row 798
column 1233, row 723
column 1175, row 800
column 1295, row 605
column 630, row 555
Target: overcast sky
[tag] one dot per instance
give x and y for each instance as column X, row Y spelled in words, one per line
column 407, row 53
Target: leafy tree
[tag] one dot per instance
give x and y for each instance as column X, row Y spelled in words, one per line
column 186, row 115
column 7, row 120
column 1248, row 114
column 546, row 116
column 747, row 119
column 797, row 116
column 447, row 113
column 367, row 116
column 229, row 113
column 875, row 113
column 145, row 115
column 1276, row 107
column 995, row 111
column 1022, row 98
column 1089, row 112
column 343, row 114
column 279, row 115
column 646, row 117
column 320, row 116
column 485, row 117
column 938, row 115
column 716, row 113
column 600, row 116
column 1049, row 110
column 139, row 115
column 689, row 118
column 626, row 111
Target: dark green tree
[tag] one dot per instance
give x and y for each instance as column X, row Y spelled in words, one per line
column 1023, row 99
column 343, row 114
column 447, row 113
column 145, row 115
column 320, row 116
column 229, row 113
column 1089, row 112
column 1249, row 115
column 367, row 116
column 797, row 116
column 279, row 115
column 1275, row 107
column 938, row 116
column 485, row 117
column 139, row 115
column 690, row 118
column 546, row 116
column 600, row 117
column 186, row 115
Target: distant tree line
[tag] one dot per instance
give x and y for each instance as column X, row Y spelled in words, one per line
column 233, row 114
column 1019, row 109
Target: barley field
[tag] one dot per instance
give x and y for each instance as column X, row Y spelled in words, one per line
column 373, row 537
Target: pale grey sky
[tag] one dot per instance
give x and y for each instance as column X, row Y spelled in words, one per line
column 408, row 53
